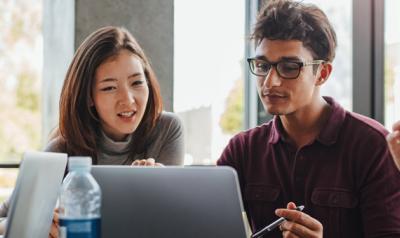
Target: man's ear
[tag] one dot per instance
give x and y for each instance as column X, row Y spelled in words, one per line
column 326, row 69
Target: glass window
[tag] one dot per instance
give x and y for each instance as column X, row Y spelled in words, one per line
column 392, row 62
column 21, row 49
column 339, row 85
column 208, row 74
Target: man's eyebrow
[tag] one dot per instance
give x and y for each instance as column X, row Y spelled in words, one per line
column 261, row 57
column 283, row 58
column 291, row 58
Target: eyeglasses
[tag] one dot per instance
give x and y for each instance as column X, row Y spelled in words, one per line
column 285, row 69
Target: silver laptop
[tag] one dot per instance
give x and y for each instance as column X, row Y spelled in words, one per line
column 35, row 195
column 177, row 202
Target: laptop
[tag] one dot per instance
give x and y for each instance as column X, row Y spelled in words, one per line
column 35, row 195
column 179, row 202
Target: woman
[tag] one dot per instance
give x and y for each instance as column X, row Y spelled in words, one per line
column 394, row 143
column 111, row 108
column 110, row 105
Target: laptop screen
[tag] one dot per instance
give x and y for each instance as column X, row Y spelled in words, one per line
column 35, row 194
column 170, row 202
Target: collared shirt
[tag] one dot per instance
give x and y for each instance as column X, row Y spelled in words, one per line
column 345, row 178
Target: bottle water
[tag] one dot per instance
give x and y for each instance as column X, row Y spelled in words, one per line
column 80, row 201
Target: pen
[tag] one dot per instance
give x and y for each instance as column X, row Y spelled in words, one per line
column 273, row 225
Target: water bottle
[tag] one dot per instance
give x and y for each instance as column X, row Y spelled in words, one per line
column 80, row 201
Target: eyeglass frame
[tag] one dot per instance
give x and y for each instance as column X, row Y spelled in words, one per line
column 301, row 64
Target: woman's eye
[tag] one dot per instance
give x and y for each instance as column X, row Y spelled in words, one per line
column 108, row 88
column 137, row 82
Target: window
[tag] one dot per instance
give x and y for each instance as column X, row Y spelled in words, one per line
column 392, row 63
column 208, row 74
column 21, row 50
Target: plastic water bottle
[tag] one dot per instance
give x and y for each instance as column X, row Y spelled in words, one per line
column 80, row 201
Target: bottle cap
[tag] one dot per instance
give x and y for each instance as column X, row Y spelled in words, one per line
column 79, row 162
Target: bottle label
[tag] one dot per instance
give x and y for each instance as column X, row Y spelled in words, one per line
column 80, row 228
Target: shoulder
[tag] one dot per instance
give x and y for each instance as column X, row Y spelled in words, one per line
column 170, row 119
column 244, row 142
column 56, row 145
column 365, row 127
column 364, row 139
column 254, row 134
column 250, row 139
column 168, row 127
column 168, row 122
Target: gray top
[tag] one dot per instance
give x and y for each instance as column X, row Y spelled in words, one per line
column 167, row 147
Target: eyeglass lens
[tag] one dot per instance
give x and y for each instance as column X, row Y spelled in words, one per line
column 285, row 69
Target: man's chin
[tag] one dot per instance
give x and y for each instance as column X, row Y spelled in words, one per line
column 275, row 111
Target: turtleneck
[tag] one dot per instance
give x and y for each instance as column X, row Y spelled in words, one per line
column 113, row 152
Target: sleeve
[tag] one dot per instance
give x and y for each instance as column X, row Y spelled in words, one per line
column 380, row 192
column 227, row 156
column 233, row 156
column 234, row 152
column 172, row 151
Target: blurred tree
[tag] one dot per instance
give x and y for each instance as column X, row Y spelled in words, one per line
column 231, row 120
column 27, row 99
column 20, row 67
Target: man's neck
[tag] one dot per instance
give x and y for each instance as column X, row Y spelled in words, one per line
column 304, row 125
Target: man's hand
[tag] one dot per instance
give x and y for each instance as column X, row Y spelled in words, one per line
column 54, row 225
column 298, row 224
column 147, row 162
column 394, row 143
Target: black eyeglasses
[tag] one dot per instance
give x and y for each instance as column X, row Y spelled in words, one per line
column 285, row 69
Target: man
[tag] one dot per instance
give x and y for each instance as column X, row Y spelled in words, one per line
column 394, row 143
column 313, row 153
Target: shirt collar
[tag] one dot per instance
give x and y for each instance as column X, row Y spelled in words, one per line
column 328, row 134
column 276, row 130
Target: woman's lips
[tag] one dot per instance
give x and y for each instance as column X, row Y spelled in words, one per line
column 127, row 116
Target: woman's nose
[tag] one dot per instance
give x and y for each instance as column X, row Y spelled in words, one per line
column 126, row 97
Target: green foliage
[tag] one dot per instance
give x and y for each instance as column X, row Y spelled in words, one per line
column 231, row 120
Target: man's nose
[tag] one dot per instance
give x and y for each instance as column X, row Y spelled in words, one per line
column 272, row 79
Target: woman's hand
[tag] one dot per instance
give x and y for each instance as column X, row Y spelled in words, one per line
column 298, row 223
column 147, row 162
column 394, row 143
column 54, row 225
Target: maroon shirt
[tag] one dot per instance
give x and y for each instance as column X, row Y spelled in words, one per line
column 345, row 178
